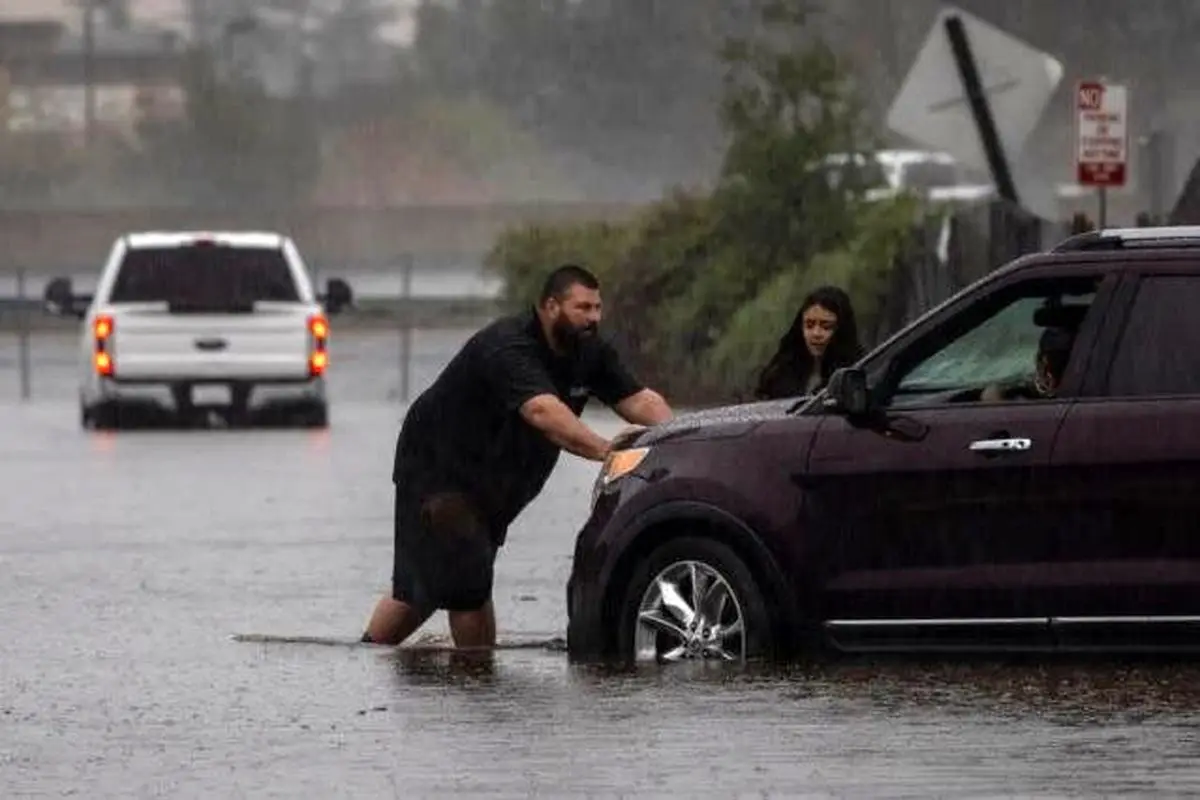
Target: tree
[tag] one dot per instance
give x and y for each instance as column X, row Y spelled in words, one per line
column 628, row 84
column 236, row 144
column 640, row 81
column 789, row 104
column 705, row 283
column 348, row 44
column 339, row 40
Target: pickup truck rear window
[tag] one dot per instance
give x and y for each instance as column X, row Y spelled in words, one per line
column 204, row 277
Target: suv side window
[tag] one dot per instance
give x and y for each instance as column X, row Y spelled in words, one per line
column 989, row 347
column 1159, row 350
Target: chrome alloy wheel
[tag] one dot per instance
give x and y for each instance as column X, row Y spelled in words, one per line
column 689, row 612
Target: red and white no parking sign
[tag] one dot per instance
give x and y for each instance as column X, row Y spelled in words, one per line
column 1102, row 136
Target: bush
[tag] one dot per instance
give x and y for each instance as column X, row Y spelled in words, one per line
column 645, row 266
column 522, row 256
column 690, row 321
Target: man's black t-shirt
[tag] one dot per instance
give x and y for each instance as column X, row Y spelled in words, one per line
column 465, row 431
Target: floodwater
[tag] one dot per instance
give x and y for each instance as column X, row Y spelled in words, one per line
column 130, row 560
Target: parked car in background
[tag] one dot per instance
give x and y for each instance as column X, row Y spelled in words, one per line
column 940, row 178
column 190, row 323
column 912, row 507
column 934, row 176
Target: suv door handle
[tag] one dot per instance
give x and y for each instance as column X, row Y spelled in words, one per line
column 1015, row 445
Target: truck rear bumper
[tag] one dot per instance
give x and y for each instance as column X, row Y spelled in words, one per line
column 181, row 394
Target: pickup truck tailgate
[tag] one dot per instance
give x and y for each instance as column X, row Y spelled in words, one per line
column 268, row 344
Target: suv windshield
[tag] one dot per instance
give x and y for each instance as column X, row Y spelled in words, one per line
column 204, row 277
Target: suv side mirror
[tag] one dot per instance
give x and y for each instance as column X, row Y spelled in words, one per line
column 847, row 392
column 59, row 298
column 337, row 295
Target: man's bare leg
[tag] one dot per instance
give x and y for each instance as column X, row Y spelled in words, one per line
column 474, row 628
column 491, row 622
column 392, row 621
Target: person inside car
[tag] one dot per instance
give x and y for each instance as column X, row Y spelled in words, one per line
column 1053, row 353
column 823, row 338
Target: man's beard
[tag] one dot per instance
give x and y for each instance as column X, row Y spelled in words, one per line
column 571, row 339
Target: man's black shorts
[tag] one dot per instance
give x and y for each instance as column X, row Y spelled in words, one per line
column 444, row 554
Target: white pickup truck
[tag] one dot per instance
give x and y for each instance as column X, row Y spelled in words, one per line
column 188, row 324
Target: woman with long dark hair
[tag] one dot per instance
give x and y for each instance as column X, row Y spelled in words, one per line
column 823, row 338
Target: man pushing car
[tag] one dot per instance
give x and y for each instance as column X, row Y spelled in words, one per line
column 478, row 445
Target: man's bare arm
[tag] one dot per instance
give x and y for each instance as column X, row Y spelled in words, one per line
column 559, row 424
column 647, row 407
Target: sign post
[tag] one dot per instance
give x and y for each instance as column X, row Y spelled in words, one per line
column 1101, row 138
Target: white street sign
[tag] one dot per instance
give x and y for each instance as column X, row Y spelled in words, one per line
column 932, row 108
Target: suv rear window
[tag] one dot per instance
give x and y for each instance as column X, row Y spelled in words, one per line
column 204, row 277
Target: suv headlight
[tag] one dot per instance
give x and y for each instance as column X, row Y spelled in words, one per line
column 622, row 462
column 618, row 464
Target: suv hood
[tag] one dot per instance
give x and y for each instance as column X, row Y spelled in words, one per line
column 716, row 423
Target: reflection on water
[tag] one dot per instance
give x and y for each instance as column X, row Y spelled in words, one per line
column 897, row 727
column 1072, row 691
column 443, row 666
column 1065, row 689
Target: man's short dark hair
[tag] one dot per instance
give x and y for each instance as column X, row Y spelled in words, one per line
column 560, row 281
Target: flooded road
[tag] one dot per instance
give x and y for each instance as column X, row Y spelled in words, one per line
column 129, row 561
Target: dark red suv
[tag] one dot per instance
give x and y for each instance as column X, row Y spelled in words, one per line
column 1018, row 469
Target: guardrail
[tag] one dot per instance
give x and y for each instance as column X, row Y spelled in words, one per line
column 24, row 315
column 421, row 312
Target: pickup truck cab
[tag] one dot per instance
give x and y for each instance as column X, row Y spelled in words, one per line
column 190, row 323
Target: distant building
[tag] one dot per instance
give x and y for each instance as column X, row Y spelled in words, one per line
column 291, row 53
column 47, row 68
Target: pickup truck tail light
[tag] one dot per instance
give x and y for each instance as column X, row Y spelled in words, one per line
column 318, row 351
column 102, row 357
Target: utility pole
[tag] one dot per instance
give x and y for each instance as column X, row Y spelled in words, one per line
column 89, row 78
column 199, row 21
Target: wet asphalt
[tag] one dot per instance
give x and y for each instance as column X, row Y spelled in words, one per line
column 130, row 561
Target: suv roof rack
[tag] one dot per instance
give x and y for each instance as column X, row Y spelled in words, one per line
column 1121, row 238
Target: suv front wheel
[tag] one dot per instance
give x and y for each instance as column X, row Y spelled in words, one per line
column 694, row 599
